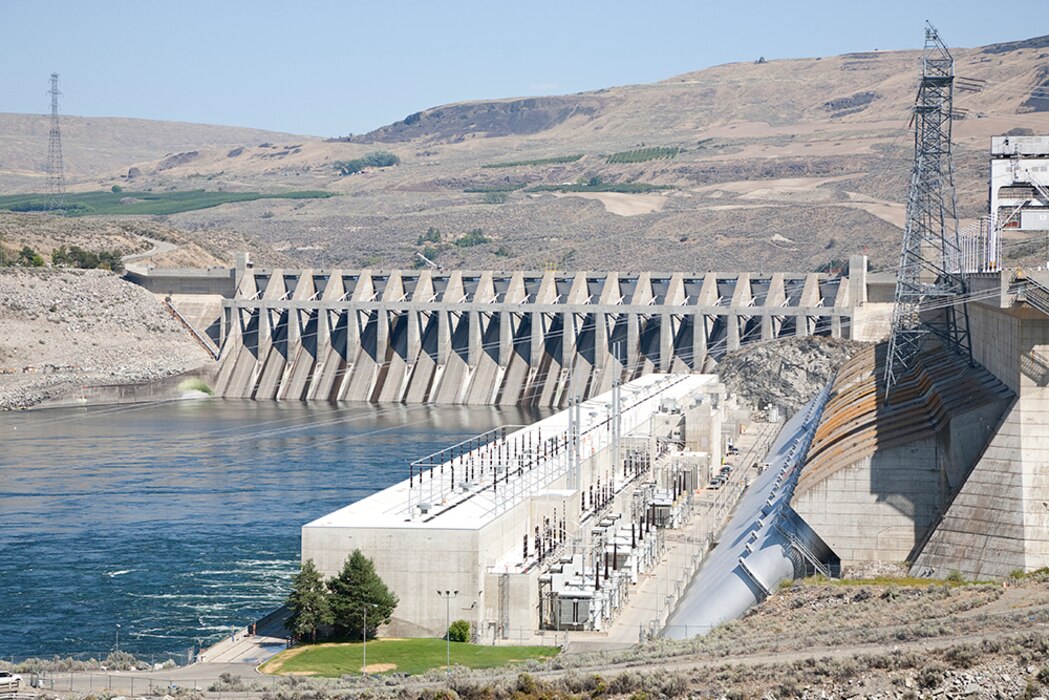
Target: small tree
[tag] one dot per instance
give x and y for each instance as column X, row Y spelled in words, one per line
column 308, row 602
column 459, row 631
column 358, row 593
column 27, row 257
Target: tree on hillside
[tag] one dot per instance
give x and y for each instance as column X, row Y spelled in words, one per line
column 308, row 602
column 358, row 593
column 27, row 257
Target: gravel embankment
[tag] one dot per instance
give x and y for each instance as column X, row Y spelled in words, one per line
column 65, row 329
column 786, row 373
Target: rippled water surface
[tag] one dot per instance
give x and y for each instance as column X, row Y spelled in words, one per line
column 175, row 521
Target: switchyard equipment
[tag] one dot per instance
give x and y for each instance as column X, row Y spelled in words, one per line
column 930, row 265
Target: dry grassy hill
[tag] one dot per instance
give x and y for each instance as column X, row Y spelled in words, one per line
column 775, row 165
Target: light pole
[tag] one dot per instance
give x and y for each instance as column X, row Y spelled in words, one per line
column 364, row 636
column 118, row 637
column 448, row 595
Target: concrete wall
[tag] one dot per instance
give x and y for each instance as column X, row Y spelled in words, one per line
column 220, row 281
column 872, row 322
column 875, row 509
column 882, row 508
column 166, row 389
column 999, row 522
column 404, row 559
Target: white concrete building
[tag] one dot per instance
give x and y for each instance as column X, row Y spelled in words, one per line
column 1020, row 182
column 560, row 497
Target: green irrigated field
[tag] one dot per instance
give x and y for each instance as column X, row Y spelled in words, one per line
column 119, row 203
column 557, row 160
column 624, row 187
column 640, row 155
column 396, row 656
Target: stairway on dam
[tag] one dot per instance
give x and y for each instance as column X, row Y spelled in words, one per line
column 503, row 338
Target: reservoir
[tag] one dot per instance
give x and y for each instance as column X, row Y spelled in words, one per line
column 167, row 523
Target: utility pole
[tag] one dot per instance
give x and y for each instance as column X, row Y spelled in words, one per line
column 364, row 636
column 56, row 184
column 930, row 269
column 617, row 416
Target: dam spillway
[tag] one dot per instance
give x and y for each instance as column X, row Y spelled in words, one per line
column 515, row 338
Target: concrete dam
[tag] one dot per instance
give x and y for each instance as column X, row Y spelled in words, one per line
column 512, row 338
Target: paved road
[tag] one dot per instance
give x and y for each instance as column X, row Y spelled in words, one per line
column 159, row 248
column 269, row 639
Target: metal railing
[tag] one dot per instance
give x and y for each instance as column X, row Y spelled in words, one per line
column 504, row 467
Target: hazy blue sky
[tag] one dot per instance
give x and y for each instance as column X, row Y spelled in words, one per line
column 332, row 68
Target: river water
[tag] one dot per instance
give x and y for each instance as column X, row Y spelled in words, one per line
column 176, row 521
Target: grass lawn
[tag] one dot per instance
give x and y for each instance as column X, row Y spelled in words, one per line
column 396, row 656
column 109, row 203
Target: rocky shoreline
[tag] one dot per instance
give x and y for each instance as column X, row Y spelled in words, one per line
column 64, row 330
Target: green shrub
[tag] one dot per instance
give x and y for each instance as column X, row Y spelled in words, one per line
column 930, row 676
column 146, row 202
column 459, row 631
column 962, row 656
column 375, row 159
column 502, row 187
column 75, row 256
column 432, row 235
column 471, row 238
column 27, row 257
column 495, row 197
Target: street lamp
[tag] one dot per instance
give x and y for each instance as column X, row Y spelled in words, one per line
column 364, row 635
column 118, row 637
column 448, row 595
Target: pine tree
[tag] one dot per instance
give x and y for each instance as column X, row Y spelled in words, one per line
column 356, row 590
column 308, row 602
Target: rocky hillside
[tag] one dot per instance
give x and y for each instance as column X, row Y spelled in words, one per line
column 63, row 329
column 130, row 236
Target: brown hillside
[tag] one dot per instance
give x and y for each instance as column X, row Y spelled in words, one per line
column 781, row 165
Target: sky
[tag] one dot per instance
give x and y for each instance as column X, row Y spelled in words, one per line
column 330, row 68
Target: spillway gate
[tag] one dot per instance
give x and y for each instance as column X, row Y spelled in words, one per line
column 491, row 338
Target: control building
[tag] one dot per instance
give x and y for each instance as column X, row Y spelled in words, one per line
column 1020, row 182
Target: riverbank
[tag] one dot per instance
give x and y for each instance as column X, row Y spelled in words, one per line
column 86, row 336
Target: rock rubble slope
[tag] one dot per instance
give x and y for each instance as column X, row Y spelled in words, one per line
column 63, row 329
column 785, row 373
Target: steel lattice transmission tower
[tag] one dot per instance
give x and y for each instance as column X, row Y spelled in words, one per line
column 56, row 181
column 929, row 273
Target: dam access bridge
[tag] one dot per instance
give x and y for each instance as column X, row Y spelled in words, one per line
column 532, row 338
